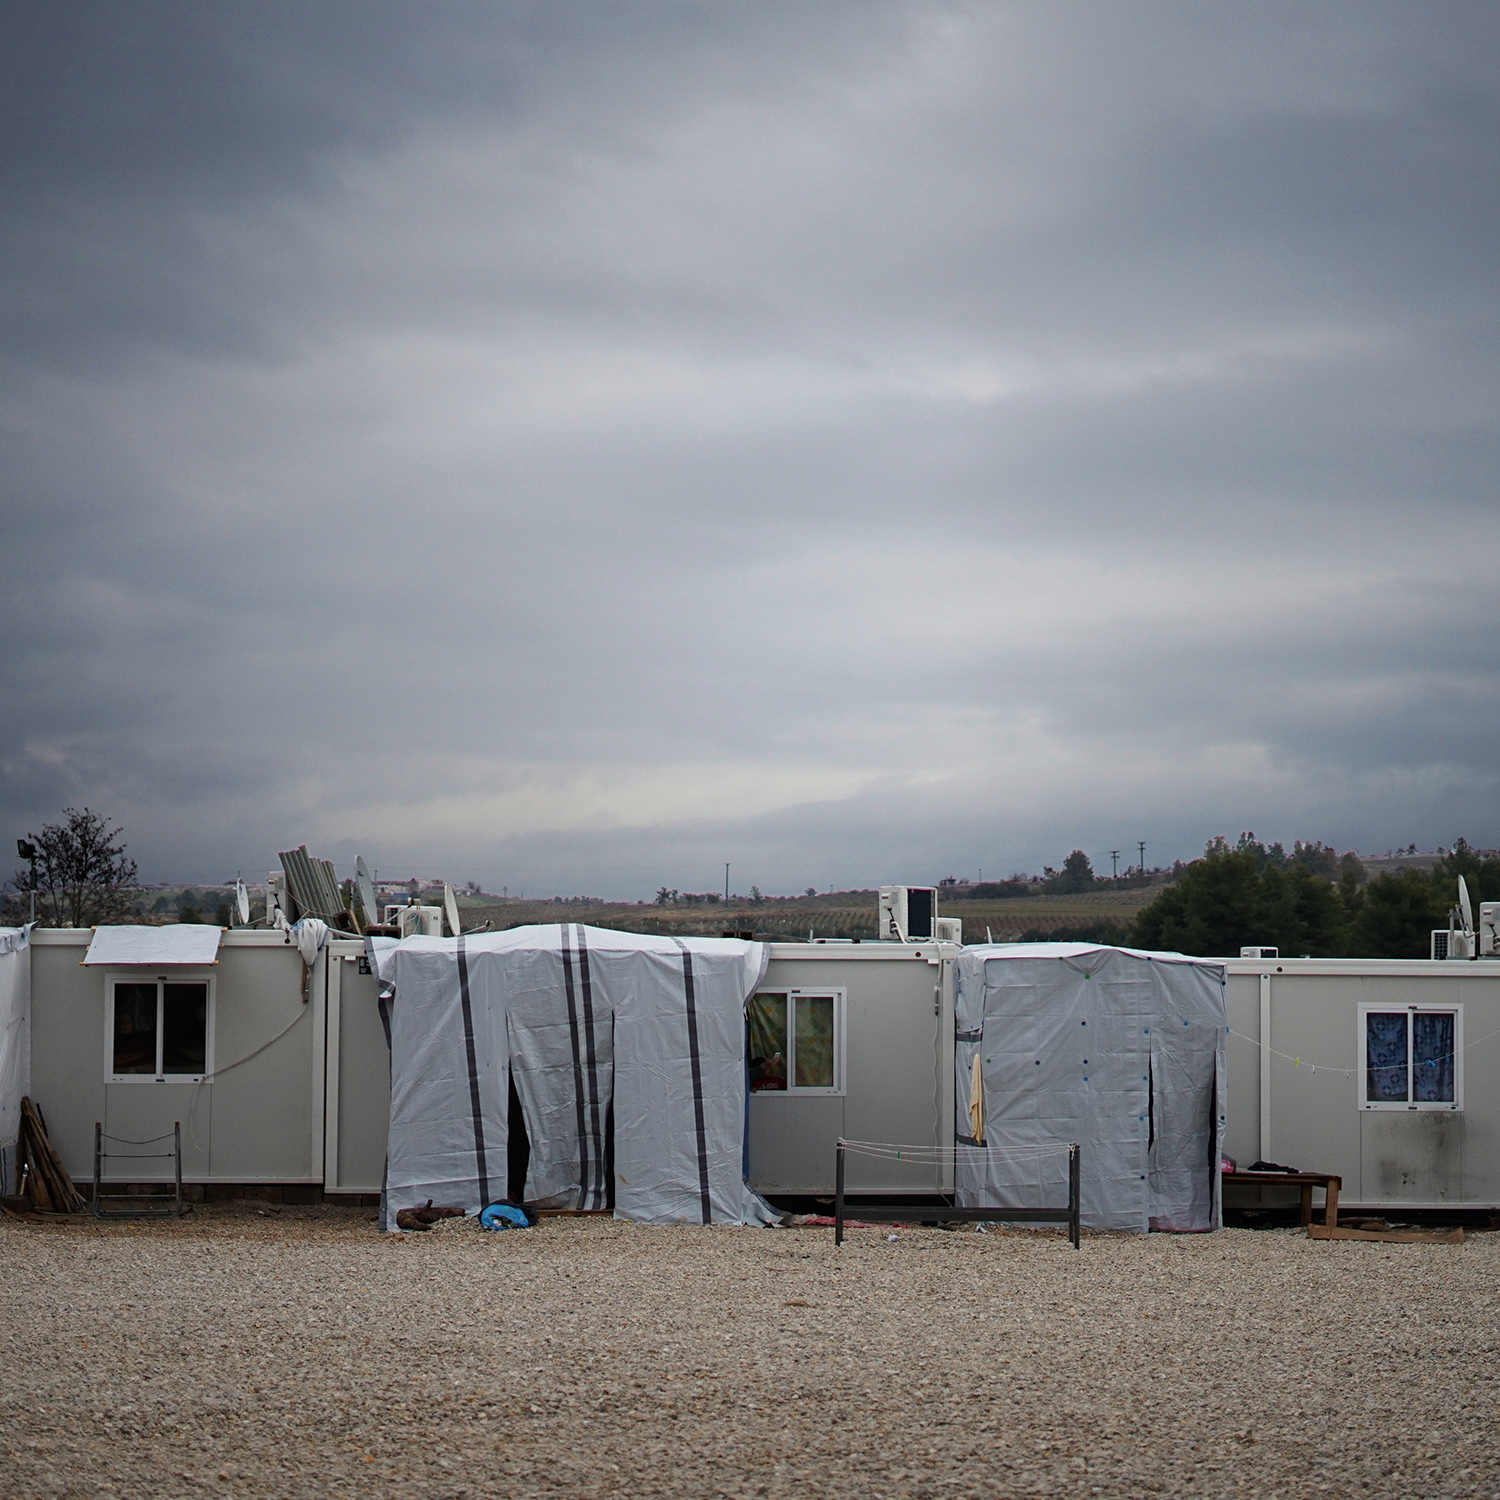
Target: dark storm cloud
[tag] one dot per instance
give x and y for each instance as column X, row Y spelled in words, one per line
column 585, row 442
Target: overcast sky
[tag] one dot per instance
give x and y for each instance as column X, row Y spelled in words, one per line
column 572, row 446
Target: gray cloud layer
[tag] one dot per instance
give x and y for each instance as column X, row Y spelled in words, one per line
column 575, row 446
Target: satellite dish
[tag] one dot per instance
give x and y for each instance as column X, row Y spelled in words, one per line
column 242, row 901
column 1464, row 905
column 450, row 905
column 365, row 887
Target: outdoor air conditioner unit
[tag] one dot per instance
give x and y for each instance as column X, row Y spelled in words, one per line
column 277, row 898
column 1489, row 929
column 1448, row 942
column 950, row 930
column 420, row 921
column 908, row 913
column 1253, row 952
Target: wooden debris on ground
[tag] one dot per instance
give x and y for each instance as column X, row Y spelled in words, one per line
column 44, row 1181
column 1389, row 1236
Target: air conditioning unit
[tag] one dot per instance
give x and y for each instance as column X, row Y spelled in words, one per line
column 1260, row 952
column 1489, row 929
column 277, row 898
column 1450, row 943
column 908, row 913
column 949, row 930
column 420, row 921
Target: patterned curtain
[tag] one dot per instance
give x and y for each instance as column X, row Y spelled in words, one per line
column 1432, row 1057
column 1385, row 1057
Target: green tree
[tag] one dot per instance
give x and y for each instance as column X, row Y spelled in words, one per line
column 1210, row 909
column 1397, row 912
column 1234, row 897
column 82, row 875
column 1481, row 874
column 1303, row 909
column 1077, row 874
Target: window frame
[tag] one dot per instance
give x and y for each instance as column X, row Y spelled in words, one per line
column 113, row 979
column 838, row 993
column 1409, row 1105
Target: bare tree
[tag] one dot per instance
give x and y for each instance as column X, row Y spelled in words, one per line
column 82, row 875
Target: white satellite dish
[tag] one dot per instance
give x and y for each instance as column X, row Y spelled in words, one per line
column 366, row 890
column 1464, row 905
column 242, row 902
column 450, row 906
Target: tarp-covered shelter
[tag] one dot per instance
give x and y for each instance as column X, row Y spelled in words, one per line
column 593, row 1027
column 1118, row 1050
column 15, row 1043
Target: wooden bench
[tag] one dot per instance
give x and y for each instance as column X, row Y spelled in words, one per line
column 1330, row 1182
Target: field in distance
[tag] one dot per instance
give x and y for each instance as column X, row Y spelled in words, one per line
column 1093, row 915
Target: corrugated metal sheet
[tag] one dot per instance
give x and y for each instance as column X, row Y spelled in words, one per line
column 313, row 886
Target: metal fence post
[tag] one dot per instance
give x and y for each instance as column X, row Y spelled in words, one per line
column 838, row 1194
column 1074, row 1196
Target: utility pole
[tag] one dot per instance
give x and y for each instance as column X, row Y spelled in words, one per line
column 726, row 880
column 1141, row 845
column 1114, row 864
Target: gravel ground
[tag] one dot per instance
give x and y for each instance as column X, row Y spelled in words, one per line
column 297, row 1352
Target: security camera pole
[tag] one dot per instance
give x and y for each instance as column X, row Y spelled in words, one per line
column 28, row 851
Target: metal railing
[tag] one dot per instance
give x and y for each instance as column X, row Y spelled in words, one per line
column 918, row 1213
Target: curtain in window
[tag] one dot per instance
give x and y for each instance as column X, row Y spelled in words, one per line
column 1385, row 1057
column 814, row 1041
column 766, row 1015
column 1432, row 1057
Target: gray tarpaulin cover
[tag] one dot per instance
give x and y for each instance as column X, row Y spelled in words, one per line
column 15, row 1043
column 1118, row 1050
column 586, row 1020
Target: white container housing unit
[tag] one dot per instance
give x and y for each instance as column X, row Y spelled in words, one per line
column 279, row 1072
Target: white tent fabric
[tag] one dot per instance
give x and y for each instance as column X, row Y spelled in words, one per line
column 1119, row 1050
column 562, row 1061
column 177, row 943
column 583, row 1018
column 15, row 1043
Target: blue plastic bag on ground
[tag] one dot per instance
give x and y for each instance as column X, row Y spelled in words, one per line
column 505, row 1216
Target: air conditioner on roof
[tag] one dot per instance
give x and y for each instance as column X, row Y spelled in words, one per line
column 1448, row 942
column 420, row 921
column 1489, row 929
column 908, row 913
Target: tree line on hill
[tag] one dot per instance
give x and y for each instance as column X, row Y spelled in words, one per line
column 1313, row 903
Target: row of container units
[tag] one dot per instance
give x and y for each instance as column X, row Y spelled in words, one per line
column 279, row 1072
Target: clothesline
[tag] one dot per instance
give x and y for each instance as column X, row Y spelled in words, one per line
column 1348, row 1072
column 932, row 1155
